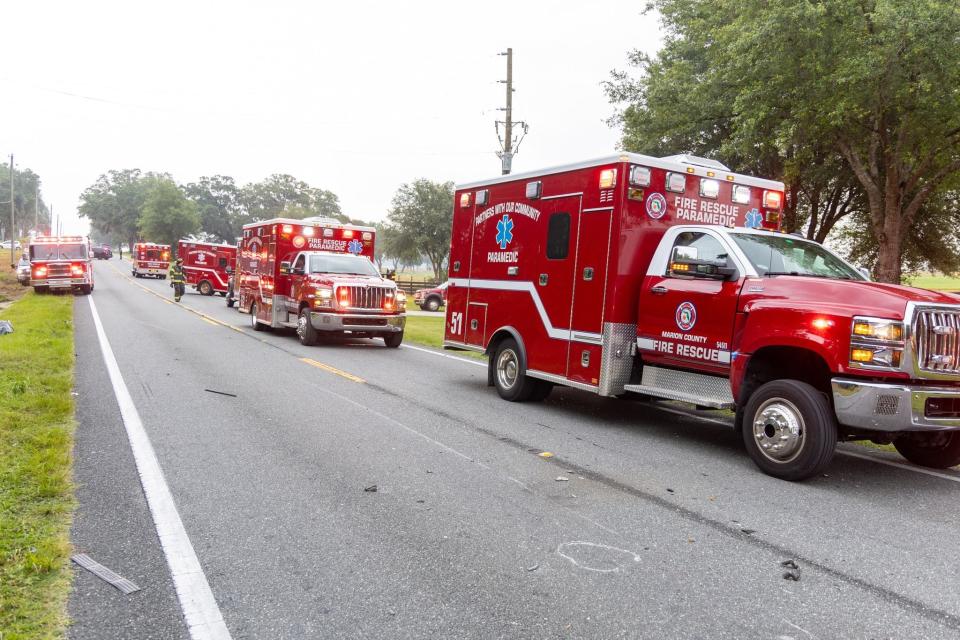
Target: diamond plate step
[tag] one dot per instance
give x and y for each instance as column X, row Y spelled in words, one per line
column 695, row 388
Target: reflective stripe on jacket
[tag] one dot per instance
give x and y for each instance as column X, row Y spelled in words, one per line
column 176, row 275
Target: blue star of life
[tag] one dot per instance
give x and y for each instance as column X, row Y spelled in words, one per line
column 355, row 247
column 754, row 220
column 504, row 231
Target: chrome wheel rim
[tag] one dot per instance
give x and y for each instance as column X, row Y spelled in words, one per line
column 508, row 366
column 779, row 430
column 253, row 315
column 302, row 326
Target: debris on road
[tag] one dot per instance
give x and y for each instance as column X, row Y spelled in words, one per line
column 545, row 454
column 533, row 568
column 563, row 479
column 794, row 570
column 749, row 532
column 221, row 393
column 6, row 327
column 371, row 489
column 125, row 586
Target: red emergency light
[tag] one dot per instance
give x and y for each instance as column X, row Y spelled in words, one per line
column 76, row 269
column 772, row 199
column 40, row 271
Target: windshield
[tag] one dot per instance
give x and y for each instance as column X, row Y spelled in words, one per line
column 354, row 265
column 792, row 256
column 58, row 251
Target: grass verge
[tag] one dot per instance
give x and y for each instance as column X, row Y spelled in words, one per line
column 428, row 331
column 36, row 492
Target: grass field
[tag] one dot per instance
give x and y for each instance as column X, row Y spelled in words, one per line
column 428, row 331
column 936, row 282
column 36, row 439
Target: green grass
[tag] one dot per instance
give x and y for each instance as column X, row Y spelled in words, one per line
column 428, row 331
column 36, row 439
column 935, row 282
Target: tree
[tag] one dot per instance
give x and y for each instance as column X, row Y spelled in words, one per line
column 26, row 185
column 422, row 213
column 864, row 89
column 219, row 205
column 114, row 203
column 167, row 213
column 283, row 195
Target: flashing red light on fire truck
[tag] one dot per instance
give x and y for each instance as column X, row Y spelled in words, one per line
column 76, row 269
column 608, row 178
column 772, row 199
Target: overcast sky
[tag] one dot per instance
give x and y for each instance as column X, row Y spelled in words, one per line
column 354, row 97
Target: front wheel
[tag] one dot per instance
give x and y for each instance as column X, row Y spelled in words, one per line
column 254, row 323
column 789, row 429
column 939, row 450
column 432, row 304
column 393, row 340
column 305, row 330
column 509, row 374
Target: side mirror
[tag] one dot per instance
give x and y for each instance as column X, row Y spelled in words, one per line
column 685, row 262
column 864, row 272
column 285, row 267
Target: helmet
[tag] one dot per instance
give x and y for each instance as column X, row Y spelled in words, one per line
column 179, row 260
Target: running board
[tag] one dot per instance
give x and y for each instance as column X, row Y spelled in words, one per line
column 288, row 325
column 696, row 388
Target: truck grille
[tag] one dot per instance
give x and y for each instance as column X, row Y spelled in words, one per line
column 58, row 271
column 365, row 297
column 936, row 340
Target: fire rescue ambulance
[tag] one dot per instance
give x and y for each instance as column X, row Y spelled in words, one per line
column 150, row 259
column 317, row 276
column 667, row 277
column 61, row 262
column 208, row 267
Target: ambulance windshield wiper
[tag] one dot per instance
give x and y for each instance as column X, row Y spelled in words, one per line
column 805, row 275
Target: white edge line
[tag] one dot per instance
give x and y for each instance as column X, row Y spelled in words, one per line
column 200, row 611
column 444, row 355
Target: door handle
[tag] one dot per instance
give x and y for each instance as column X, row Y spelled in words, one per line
column 658, row 290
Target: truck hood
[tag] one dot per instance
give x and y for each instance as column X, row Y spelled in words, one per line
column 842, row 297
column 333, row 279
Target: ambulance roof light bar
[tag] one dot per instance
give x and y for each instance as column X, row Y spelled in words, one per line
column 697, row 161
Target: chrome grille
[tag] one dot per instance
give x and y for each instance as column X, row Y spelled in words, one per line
column 365, row 297
column 58, row 270
column 936, row 340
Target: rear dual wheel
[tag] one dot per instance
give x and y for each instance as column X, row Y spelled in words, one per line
column 254, row 323
column 510, row 375
column 205, row 288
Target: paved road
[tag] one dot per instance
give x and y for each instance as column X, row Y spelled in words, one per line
column 645, row 522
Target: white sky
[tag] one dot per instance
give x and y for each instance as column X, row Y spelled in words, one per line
column 354, row 97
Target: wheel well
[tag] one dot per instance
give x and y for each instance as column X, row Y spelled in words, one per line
column 778, row 363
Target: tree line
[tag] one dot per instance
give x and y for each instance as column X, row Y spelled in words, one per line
column 128, row 205
column 29, row 209
column 853, row 104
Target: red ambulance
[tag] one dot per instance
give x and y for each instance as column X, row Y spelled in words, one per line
column 317, row 276
column 207, row 266
column 150, row 259
column 61, row 262
column 667, row 277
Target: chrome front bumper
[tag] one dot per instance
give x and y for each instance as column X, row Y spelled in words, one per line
column 58, row 283
column 368, row 323
column 890, row 407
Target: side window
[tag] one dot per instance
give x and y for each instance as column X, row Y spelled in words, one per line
column 300, row 263
column 558, row 236
column 223, row 262
column 706, row 247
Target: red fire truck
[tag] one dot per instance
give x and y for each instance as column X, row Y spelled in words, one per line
column 150, row 259
column 667, row 277
column 61, row 262
column 317, row 276
column 208, row 266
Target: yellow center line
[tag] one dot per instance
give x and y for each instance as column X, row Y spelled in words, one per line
column 334, row 370
column 209, row 321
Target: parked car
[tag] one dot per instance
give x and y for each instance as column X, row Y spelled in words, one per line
column 23, row 271
column 102, row 251
column 6, row 244
column 431, row 299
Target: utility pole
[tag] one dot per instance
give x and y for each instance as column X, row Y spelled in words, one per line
column 36, row 207
column 13, row 262
column 507, row 143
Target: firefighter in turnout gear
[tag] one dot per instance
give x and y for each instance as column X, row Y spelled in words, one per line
column 177, row 279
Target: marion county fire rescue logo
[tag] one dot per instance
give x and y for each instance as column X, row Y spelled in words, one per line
column 299, row 241
column 656, row 205
column 686, row 316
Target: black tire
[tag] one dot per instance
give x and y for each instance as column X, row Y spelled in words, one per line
column 231, row 302
column 432, row 304
column 509, row 372
column 205, row 288
column 162, row 277
column 393, row 340
column 939, row 450
column 789, row 429
column 254, row 323
column 305, row 330
column 86, row 289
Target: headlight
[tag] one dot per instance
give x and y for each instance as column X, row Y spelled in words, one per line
column 876, row 343
column 322, row 297
column 324, row 294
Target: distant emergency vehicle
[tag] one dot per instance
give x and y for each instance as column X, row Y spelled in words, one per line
column 207, row 266
column 317, row 276
column 61, row 262
column 667, row 277
column 149, row 259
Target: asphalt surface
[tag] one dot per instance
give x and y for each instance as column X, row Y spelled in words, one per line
column 645, row 522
